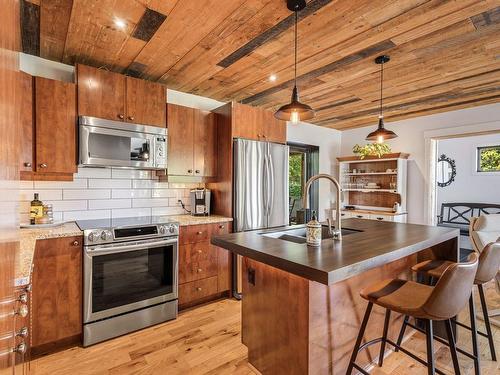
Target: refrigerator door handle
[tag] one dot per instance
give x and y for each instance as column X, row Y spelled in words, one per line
column 271, row 189
column 266, row 183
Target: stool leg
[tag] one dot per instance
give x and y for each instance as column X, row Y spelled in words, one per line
column 402, row 332
column 384, row 337
column 430, row 347
column 453, row 349
column 487, row 322
column 360, row 338
column 473, row 330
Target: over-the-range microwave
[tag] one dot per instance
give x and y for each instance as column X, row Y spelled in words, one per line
column 107, row 143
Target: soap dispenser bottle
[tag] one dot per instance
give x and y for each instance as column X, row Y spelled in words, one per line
column 313, row 231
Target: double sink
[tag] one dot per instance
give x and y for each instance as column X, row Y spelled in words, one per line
column 298, row 234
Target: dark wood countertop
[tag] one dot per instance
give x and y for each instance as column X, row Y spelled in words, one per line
column 378, row 243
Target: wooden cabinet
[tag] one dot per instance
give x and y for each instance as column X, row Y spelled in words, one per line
column 192, row 142
column 27, row 157
column 57, row 293
column 145, row 102
column 117, row 97
column 49, row 129
column 55, row 126
column 204, row 269
column 257, row 124
column 100, row 93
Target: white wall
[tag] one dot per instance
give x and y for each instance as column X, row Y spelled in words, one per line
column 328, row 141
column 469, row 186
column 411, row 138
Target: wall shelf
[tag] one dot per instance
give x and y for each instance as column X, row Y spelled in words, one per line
column 367, row 190
column 371, row 173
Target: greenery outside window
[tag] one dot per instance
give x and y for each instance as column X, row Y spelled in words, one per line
column 488, row 159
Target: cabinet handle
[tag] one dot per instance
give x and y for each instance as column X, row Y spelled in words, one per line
column 23, row 298
column 190, row 171
column 199, row 232
column 23, row 332
column 76, row 243
column 21, row 348
column 199, row 251
column 221, row 226
column 43, row 165
column 120, row 116
column 131, row 118
column 197, row 171
column 359, row 216
column 23, row 311
column 27, row 164
column 198, row 289
column 380, row 218
column 199, row 270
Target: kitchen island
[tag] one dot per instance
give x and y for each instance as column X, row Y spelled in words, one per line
column 301, row 309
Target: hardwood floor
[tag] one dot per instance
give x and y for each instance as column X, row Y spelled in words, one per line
column 206, row 340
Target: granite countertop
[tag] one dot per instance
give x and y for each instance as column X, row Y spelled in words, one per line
column 28, row 237
column 195, row 220
column 374, row 244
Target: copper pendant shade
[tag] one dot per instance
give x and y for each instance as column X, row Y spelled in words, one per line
column 381, row 134
column 295, row 111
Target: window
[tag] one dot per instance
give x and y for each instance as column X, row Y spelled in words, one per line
column 488, row 159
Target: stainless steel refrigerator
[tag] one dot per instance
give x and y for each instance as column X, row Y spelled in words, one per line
column 260, row 190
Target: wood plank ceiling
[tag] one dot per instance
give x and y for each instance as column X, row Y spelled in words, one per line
column 445, row 55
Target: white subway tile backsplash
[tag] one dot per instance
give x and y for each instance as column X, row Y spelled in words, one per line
column 76, row 205
column 77, row 183
column 153, row 202
column 131, row 174
column 168, row 193
column 109, row 203
column 89, row 214
column 104, row 192
column 131, row 212
column 157, row 211
column 130, row 193
column 93, row 173
column 87, row 194
column 105, row 183
column 27, row 195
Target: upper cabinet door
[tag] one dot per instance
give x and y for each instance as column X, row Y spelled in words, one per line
column 146, row 102
column 180, row 140
column 274, row 130
column 27, row 162
column 55, row 126
column 246, row 122
column 205, row 144
column 100, row 93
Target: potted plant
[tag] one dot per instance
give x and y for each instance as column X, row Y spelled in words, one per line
column 371, row 149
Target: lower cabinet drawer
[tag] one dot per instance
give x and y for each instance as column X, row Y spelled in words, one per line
column 190, row 292
column 197, row 270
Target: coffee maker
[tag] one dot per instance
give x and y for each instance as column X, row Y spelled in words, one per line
column 200, row 202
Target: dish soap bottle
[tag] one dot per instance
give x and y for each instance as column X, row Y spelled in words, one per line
column 313, row 231
column 36, row 209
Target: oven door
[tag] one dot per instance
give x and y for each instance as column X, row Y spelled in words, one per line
column 116, row 148
column 124, row 277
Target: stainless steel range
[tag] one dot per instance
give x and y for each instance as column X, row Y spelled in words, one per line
column 130, row 275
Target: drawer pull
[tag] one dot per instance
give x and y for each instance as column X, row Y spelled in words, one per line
column 131, row 118
column 190, row 171
column 120, row 116
column 221, row 226
column 23, row 311
column 197, row 171
column 198, row 289
column 199, row 270
column 380, row 218
column 199, row 232
column 43, row 165
column 23, row 332
column 76, row 243
column 359, row 216
column 199, row 251
column 23, row 298
column 21, row 348
column 27, row 164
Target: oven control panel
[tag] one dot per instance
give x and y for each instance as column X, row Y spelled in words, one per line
column 109, row 235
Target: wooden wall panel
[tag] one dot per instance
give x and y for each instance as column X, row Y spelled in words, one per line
column 10, row 127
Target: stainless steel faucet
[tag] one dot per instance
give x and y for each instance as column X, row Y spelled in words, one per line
column 336, row 232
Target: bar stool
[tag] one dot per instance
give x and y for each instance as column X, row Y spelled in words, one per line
column 489, row 263
column 441, row 302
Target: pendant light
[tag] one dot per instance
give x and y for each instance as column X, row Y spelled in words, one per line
column 295, row 111
column 381, row 134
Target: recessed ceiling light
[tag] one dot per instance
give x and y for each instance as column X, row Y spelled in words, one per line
column 120, row 23
column 272, row 77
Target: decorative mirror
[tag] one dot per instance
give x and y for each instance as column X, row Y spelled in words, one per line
column 446, row 171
